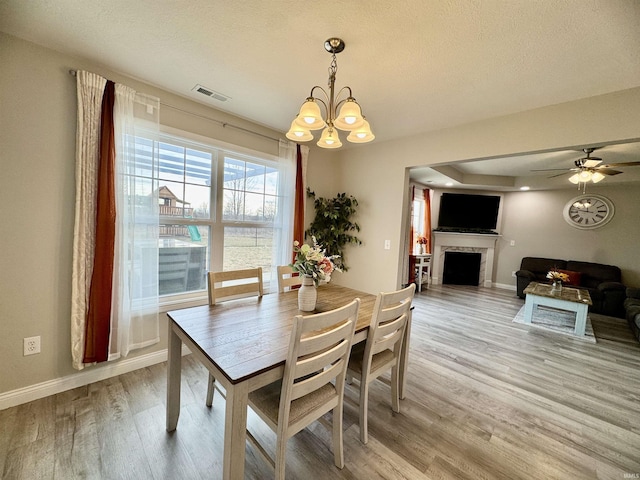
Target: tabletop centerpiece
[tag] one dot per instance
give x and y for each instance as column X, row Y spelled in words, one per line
column 315, row 266
column 557, row 278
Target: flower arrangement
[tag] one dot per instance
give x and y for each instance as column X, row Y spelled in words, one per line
column 311, row 260
column 421, row 240
column 556, row 276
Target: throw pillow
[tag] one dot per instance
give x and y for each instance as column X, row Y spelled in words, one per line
column 574, row 277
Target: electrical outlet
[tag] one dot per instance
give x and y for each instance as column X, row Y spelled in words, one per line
column 387, row 244
column 31, row 345
column 513, row 274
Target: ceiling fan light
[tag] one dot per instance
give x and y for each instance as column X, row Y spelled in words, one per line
column 575, row 179
column 329, row 138
column 350, row 115
column 585, row 175
column 310, row 116
column 596, row 177
column 298, row 133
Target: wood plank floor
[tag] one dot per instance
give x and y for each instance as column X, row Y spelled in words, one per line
column 487, row 398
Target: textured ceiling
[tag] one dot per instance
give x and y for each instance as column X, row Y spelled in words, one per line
column 413, row 65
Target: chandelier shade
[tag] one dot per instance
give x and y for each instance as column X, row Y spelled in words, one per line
column 329, row 138
column 361, row 134
column 339, row 113
column 298, row 133
column 310, row 116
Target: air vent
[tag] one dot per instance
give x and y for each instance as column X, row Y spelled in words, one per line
column 221, row 97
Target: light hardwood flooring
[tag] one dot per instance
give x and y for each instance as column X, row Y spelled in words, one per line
column 486, row 398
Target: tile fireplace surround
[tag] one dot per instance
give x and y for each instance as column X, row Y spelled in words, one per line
column 464, row 242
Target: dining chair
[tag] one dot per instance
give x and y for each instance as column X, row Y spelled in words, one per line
column 382, row 350
column 313, row 382
column 286, row 279
column 227, row 285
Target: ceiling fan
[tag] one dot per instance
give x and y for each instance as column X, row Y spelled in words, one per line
column 589, row 168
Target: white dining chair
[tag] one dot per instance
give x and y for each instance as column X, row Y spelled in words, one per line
column 382, row 349
column 225, row 286
column 287, row 279
column 313, row 382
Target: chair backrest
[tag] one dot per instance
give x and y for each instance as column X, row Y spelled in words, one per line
column 233, row 283
column 286, row 278
column 317, row 361
column 388, row 324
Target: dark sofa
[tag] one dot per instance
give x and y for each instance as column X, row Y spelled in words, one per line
column 632, row 309
column 602, row 281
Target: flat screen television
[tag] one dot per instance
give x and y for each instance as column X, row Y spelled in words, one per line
column 461, row 211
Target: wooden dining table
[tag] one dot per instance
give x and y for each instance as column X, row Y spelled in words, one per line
column 244, row 344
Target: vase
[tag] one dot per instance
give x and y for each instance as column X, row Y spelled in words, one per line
column 421, row 249
column 556, row 287
column 307, row 295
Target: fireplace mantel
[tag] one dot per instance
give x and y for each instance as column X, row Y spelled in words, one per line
column 464, row 242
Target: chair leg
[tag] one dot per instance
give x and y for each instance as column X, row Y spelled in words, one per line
column 280, row 460
column 211, row 388
column 395, row 389
column 338, row 451
column 364, row 407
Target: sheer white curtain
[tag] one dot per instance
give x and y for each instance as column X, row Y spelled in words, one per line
column 134, row 309
column 134, row 317
column 90, row 88
column 283, row 224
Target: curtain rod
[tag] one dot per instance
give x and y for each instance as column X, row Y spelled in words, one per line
column 204, row 117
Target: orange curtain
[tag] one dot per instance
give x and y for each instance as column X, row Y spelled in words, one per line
column 96, row 347
column 298, row 212
column 427, row 217
column 412, row 233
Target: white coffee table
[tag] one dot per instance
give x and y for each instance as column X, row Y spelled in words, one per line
column 571, row 299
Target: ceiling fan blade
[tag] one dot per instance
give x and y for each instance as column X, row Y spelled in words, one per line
column 553, row 169
column 608, row 171
column 591, row 162
column 619, row 165
column 558, row 175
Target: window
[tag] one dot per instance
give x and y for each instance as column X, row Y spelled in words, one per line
column 217, row 212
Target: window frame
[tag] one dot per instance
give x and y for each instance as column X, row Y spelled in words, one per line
column 216, row 223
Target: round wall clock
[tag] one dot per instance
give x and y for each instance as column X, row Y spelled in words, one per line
column 588, row 211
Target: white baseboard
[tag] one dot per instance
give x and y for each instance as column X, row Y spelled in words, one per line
column 505, row 286
column 85, row 377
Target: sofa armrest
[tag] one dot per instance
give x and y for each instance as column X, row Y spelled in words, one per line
column 611, row 286
column 526, row 274
column 633, row 292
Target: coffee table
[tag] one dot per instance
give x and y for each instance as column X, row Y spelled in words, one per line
column 569, row 298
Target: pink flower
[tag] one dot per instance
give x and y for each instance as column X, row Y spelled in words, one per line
column 326, row 266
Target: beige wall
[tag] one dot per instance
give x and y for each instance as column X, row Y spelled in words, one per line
column 37, row 181
column 375, row 174
column 534, row 221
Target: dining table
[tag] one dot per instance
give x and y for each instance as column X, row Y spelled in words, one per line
column 244, row 343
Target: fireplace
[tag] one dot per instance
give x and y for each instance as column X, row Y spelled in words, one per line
column 484, row 244
column 461, row 268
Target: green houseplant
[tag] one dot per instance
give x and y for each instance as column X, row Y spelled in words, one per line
column 333, row 226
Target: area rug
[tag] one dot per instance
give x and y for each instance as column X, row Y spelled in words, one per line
column 557, row 321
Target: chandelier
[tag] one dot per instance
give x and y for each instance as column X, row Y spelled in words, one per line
column 343, row 114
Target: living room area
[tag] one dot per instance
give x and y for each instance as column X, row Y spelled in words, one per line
column 503, row 228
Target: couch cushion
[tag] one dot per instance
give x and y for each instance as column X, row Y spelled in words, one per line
column 594, row 274
column 574, row 277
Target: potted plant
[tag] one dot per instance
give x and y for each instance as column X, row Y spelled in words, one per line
column 333, row 226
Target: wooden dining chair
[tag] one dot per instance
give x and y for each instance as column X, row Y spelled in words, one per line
column 227, row 285
column 313, row 382
column 286, row 279
column 382, row 350
column 235, row 283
